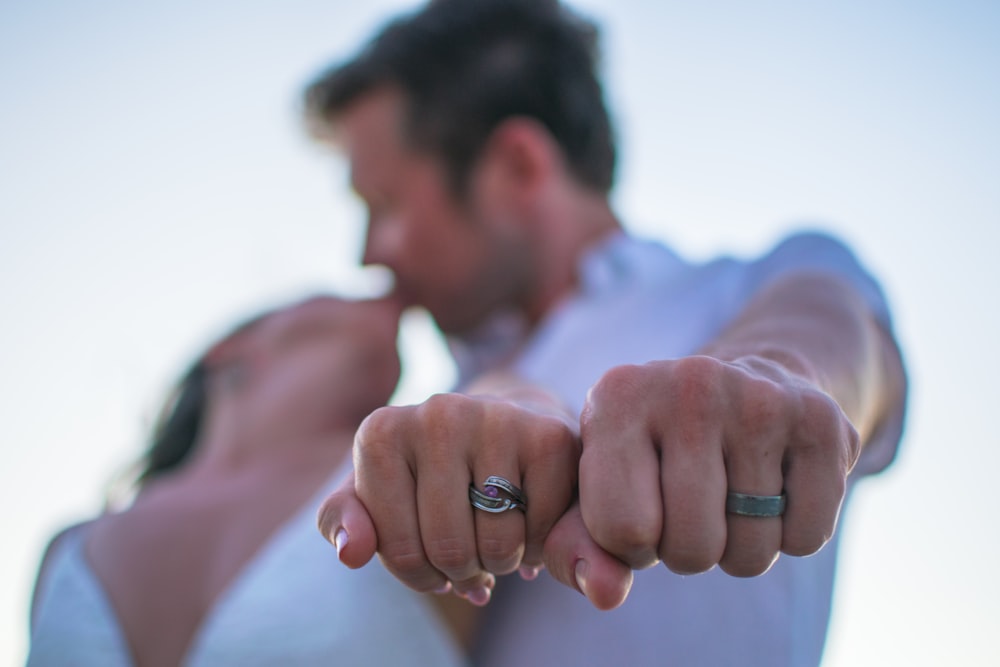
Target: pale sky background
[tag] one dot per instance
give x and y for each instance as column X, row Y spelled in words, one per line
column 155, row 184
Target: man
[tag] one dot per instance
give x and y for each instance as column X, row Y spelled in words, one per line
column 724, row 409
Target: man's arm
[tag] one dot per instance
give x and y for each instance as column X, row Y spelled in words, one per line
column 783, row 400
column 839, row 345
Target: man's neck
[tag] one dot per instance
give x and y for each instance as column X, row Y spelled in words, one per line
column 582, row 221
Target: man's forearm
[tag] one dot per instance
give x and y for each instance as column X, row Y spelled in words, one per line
column 818, row 327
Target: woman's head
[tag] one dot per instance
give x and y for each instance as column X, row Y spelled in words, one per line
column 305, row 369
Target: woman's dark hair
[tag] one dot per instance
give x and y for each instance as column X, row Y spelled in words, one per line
column 465, row 66
column 180, row 420
column 178, row 424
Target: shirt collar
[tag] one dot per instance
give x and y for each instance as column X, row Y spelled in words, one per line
column 615, row 260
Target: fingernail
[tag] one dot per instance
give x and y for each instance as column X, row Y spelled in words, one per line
column 580, row 572
column 340, row 540
column 443, row 588
column 529, row 573
column 478, row 596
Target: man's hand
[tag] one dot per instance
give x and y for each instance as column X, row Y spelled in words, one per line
column 665, row 442
column 781, row 402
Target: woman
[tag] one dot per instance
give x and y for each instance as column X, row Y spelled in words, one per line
column 217, row 560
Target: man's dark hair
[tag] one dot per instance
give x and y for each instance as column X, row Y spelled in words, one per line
column 465, row 66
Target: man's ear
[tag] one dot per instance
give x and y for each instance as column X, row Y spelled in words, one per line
column 518, row 161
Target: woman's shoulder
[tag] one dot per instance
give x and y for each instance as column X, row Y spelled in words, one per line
column 60, row 541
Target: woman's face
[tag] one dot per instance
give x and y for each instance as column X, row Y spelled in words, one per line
column 318, row 364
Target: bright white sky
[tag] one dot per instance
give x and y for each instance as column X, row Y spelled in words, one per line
column 155, row 185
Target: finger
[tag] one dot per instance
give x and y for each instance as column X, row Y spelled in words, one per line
column 620, row 496
column 816, row 478
column 755, row 448
column 574, row 559
column 450, row 426
column 385, row 484
column 753, row 545
column 693, row 478
column 550, row 470
column 499, row 536
column 343, row 520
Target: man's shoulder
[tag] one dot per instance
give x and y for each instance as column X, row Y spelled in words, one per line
column 810, row 242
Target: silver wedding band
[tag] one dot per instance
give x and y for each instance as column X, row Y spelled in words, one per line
column 745, row 504
column 500, row 496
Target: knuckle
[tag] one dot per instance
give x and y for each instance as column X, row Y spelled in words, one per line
column 747, row 567
column 826, row 431
column 613, row 401
column 808, row 539
column 444, row 419
column 620, row 383
column 761, row 426
column 377, row 432
column 553, row 440
column 498, row 550
column 811, row 524
column 765, row 407
column 698, row 374
column 695, row 390
column 820, row 413
column 405, row 558
column 689, row 561
column 450, row 554
column 444, row 408
column 697, row 368
column 805, row 545
column 634, row 542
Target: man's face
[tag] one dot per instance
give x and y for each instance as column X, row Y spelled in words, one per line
column 459, row 259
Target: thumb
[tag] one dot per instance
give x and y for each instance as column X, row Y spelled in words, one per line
column 345, row 523
column 574, row 559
